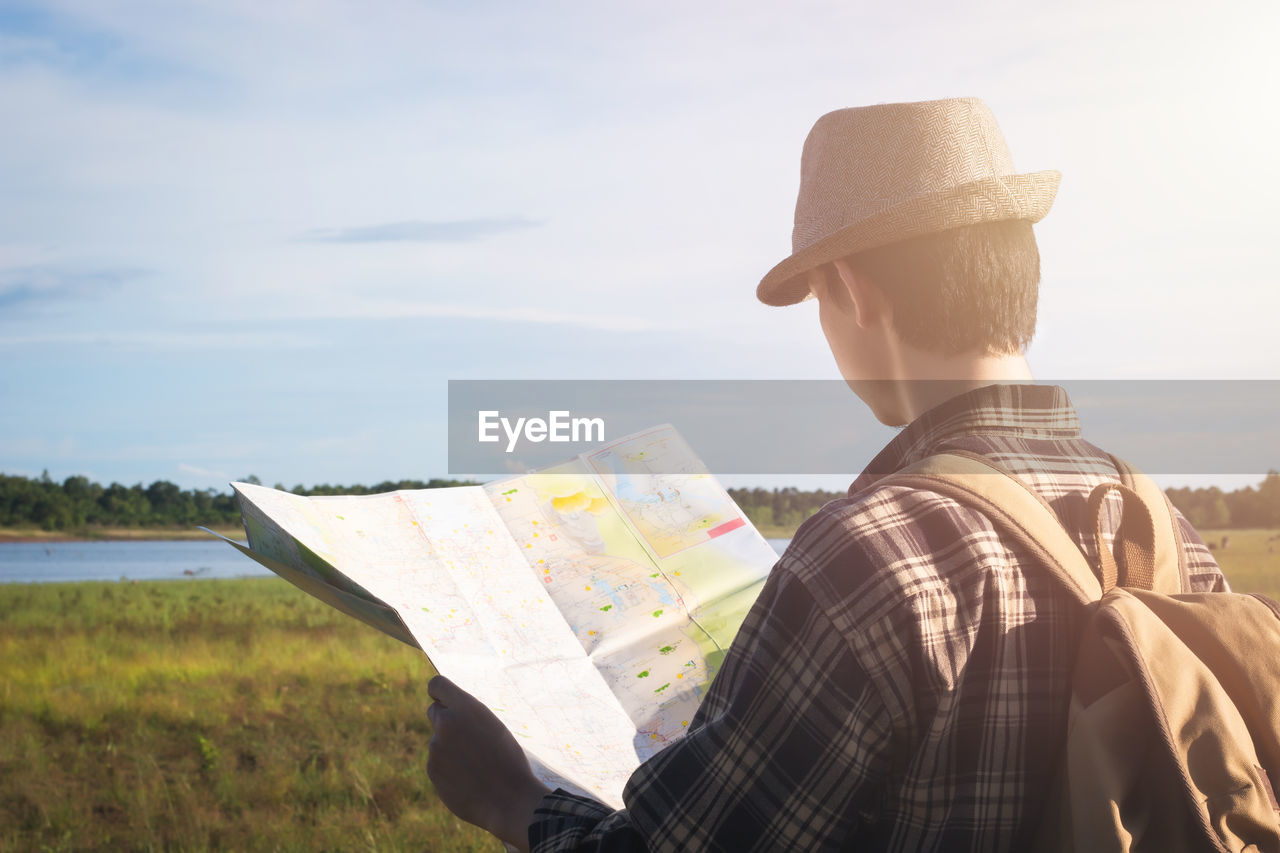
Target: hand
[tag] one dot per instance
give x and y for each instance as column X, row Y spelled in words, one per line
column 479, row 771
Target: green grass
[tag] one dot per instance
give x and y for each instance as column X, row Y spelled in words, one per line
column 1251, row 560
column 242, row 714
column 210, row 714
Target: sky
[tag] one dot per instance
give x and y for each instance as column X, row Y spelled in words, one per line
column 259, row 238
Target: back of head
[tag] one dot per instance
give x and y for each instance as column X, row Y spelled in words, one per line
column 971, row 289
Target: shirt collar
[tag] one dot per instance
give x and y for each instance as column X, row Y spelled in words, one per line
column 1029, row 411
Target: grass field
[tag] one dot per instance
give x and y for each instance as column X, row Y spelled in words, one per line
column 1251, row 561
column 241, row 715
column 210, row 714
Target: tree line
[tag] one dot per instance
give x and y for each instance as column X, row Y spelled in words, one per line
column 1248, row 507
column 1210, row 508
column 1205, row 507
column 785, row 507
column 77, row 503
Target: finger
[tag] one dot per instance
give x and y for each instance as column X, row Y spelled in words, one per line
column 433, row 711
column 437, row 687
column 444, row 691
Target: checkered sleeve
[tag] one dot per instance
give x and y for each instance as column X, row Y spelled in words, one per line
column 788, row 750
column 1202, row 569
column 565, row 821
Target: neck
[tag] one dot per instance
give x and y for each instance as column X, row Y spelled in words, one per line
column 920, row 381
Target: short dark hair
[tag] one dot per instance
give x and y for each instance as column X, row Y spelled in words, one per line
column 968, row 289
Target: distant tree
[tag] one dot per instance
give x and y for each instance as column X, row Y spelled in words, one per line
column 1245, row 507
column 79, row 488
column 760, row 516
column 1269, row 499
column 1202, row 507
column 124, row 506
column 1215, row 513
column 169, row 504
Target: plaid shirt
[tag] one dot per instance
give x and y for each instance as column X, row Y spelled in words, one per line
column 902, row 681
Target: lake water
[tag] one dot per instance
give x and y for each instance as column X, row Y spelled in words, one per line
column 49, row 562
column 41, row 562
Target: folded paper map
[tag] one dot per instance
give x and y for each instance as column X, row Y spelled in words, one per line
column 588, row 604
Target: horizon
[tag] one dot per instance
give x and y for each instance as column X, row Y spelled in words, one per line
column 769, row 482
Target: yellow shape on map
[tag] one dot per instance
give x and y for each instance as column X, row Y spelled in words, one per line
column 570, row 493
column 575, row 502
column 564, row 485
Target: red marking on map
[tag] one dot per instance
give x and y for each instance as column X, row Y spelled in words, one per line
column 722, row 529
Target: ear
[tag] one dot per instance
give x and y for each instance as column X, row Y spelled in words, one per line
column 869, row 304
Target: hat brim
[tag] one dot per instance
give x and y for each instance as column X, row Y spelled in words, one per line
column 992, row 199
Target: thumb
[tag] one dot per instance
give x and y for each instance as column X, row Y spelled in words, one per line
column 444, row 691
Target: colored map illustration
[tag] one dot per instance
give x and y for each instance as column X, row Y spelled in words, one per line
column 672, row 501
column 588, row 604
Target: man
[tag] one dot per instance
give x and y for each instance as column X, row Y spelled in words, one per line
column 902, row 681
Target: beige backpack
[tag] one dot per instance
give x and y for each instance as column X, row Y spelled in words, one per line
column 1175, row 696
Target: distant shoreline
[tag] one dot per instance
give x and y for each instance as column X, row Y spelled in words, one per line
column 114, row 534
column 173, row 534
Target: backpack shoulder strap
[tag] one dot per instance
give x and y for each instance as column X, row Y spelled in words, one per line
column 1171, row 572
column 1009, row 503
column 984, row 485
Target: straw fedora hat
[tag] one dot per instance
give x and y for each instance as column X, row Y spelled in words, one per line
column 870, row 176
